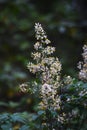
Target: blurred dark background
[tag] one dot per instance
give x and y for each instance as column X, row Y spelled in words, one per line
column 65, row 23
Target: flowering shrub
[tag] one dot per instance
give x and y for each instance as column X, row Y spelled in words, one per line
column 62, row 100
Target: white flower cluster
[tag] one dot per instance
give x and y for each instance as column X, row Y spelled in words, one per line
column 23, row 87
column 50, row 99
column 37, row 46
column 40, row 33
column 48, row 67
column 49, row 50
column 83, row 65
column 34, row 68
column 36, row 55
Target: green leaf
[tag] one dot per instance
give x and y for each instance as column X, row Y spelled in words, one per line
column 4, row 117
column 17, row 117
column 40, row 113
column 24, row 127
column 6, row 126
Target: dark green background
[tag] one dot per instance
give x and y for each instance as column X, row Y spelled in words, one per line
column 65, row 23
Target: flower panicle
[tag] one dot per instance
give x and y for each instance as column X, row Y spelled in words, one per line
column 47, row 69
column 82, row 66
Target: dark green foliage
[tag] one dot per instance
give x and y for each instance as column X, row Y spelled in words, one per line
column 73, row 111
column 14, row 121
column 67, row 27
column 74, row 104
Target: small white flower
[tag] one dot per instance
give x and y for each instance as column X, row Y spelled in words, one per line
column 49, row 50
column 47, row 41
column 36, row 56
column 46, row 88
column 37, row 46
column 23, row 87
